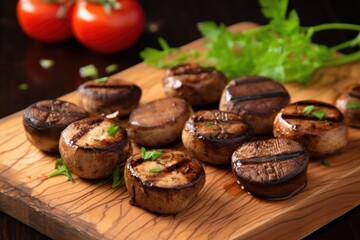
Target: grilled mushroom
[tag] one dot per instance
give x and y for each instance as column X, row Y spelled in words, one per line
column 92, row 147
column 45, row 120
column 109, row 95
column 349, row 104
column 273, row 168
column 318, row 126
column 199, row 86
column 256, row 99
column 159, row 122
column 212, row 136
column 168, row 184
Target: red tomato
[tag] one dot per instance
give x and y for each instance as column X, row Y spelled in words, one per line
column 39, row 20
column 108, row 32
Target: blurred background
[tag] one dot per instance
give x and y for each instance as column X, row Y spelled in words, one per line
column 174, row 20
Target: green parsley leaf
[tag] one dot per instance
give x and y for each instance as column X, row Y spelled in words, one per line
column 89, row 71
column 353, row 105
column 150, row 154
column 118, row 176
column 46, row 63
column 325, row 163
column 155, row 170
column 319, row 114
column 102, row 80
column 281, row 50
column 112, row 130
column 166, row 57
column 61, row 169
column 208, row 123
column 23, row 86
column 308, row 109
column 111, row 68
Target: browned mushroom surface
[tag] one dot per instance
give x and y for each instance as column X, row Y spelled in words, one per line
column 198, row 85
column 318, row 126
column 45, row 120
column 91, row 148
column 108, row 96
column 349, row 104
column 212, row 136
column 256, row 99
column 274, row 168
column 168, row 184
column 159, row 122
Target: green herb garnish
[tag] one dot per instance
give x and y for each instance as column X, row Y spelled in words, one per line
column 353, row 105
column 208, row 123
column 23, row 86
column 108, row 5
column 160, row 58
column 46, row 63
column 325, row 163
column 150, row 154
column 102, row 80
column 89, row 71
column 61, row 169
column 308, row 109
column 282, row 50
column 118, row 176
column 155, row 170
column 111, row 68
column 112, row 130
column 319, row 114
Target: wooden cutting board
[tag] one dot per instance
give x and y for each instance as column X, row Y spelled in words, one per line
column 93, row 210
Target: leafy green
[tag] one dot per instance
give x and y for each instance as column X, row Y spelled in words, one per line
column 89, row 71
column 46, row 63
column 160, row 58
column 112, row 68
column 155, row 170
column 118, row 176
column 150, row 154
column 308, row 109
column 281, row 50
column 23, row 86
column 353, row 105
column 319, row 114
column 102, row 80
column 112, row 130
column 61, row 169
column 208, row 123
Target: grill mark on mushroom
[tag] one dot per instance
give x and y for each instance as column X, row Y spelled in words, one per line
column 256, row 99
column 271, row 158
column 320, row 137
column 173, row 168
column 85, row 130
column 169, row 191
column 355, row 93
column 335, row 119
column 258, row 96
column 110, row 86
column 315, row 103
column 57, row 109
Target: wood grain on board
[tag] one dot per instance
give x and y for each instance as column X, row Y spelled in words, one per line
column 93, row 210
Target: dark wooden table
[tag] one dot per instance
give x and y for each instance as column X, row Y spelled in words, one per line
column 176, row 22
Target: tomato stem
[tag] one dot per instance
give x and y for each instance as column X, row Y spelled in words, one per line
column 61, row 13
column 108, row 5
